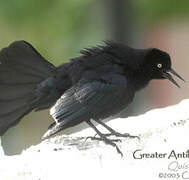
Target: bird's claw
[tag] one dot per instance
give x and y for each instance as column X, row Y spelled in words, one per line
column 127, row 135
column 107, row 141
column 101, row 139
column 117, row 134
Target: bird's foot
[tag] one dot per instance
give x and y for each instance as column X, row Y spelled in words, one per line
column 117, row 134
column 107, row 141
column 101, row 139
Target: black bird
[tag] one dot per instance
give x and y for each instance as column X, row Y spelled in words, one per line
column 98, row 84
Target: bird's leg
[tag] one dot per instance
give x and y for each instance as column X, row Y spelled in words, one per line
column 103, row 137
column 113, row 132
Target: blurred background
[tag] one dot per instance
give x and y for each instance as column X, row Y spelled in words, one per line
column 59, row 29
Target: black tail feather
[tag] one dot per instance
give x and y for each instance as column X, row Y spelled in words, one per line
column 11, row 119
column 14, row 92
column 22, row 68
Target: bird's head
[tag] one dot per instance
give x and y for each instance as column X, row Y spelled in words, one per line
column 157, row 64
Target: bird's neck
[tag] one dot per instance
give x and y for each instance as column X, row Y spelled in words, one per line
column 138, row 80
column 139, row 77
column 141, row 83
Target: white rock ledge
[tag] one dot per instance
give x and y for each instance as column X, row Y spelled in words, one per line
column 70, row 157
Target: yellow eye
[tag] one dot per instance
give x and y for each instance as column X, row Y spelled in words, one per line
column 159, row 65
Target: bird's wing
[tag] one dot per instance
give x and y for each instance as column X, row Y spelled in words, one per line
column 96, row 99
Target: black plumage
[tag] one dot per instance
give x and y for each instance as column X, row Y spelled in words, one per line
column 98, row 84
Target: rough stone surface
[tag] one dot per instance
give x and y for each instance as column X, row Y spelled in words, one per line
column 71, row 157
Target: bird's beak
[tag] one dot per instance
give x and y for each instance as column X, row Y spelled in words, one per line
column 168, row 76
